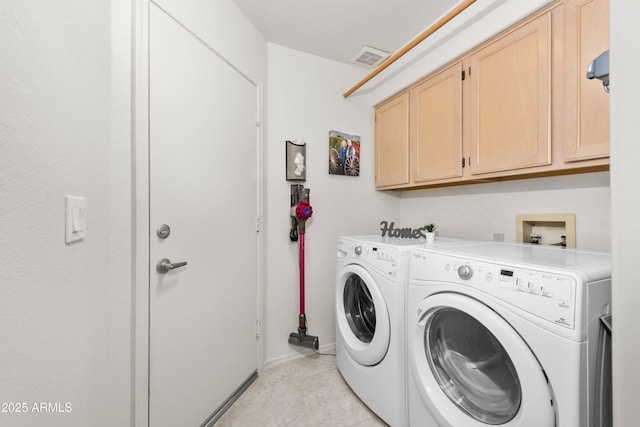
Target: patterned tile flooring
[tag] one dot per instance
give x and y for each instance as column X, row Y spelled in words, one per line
column 307, row 391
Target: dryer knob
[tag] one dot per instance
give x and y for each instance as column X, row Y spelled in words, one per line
column 358, row 250
column 465, row 272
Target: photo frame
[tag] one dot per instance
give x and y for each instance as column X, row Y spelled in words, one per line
column 296, row 160
column 344, row 153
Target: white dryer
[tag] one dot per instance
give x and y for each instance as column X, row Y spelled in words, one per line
column 371, row 277
column 505, row 334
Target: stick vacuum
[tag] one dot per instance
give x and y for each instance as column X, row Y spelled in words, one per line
column 301, row 211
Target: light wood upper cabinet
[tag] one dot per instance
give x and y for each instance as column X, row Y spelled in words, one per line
column 586, row 102
column 392, row 142
column 436, row 126
column 525, row 107
column 510, row 100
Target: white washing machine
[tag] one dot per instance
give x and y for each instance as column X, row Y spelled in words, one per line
column 371, row 277
column 505, row 334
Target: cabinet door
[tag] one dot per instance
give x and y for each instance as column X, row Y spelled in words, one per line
column 510, row 100
column 587, row 104
column 436, row 126
column 392, row 142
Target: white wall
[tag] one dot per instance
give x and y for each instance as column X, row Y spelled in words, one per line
column 625, row 176
column 305, row 101
column 65, row 310
column 479, row 210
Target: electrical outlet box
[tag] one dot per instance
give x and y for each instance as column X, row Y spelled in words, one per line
column 547, row 229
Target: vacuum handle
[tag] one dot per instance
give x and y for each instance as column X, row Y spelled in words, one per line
column 304, row 194
column 293, row 234
column 298, row 195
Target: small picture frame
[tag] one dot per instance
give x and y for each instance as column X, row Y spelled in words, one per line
column 296, row 152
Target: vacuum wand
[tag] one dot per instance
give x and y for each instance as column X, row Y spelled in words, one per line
column 301, row 211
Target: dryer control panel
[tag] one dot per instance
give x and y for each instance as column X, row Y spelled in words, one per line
column 548, row 295
column 383, row 259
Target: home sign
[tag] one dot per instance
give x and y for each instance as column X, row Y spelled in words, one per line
column 406, row 232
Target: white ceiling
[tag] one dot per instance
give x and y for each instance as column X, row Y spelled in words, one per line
column 338, row 29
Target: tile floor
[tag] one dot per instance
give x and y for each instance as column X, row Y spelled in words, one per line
column 308, row 391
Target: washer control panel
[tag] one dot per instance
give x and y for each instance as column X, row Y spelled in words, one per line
column 548, row 295
column 383, row 259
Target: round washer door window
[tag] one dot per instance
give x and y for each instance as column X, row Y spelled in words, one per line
column 362, row 315
column 359, row 308
column 474, row 368
column 471, row 367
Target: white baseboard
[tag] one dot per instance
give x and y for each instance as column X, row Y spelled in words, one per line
column 298, row 353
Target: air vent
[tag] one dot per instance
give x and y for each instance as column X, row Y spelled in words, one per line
column 370, row 57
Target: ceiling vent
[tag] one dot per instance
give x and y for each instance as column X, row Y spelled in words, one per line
column 370, row 56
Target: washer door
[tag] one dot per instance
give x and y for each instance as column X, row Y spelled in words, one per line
column 361, row 315
column 473, row 369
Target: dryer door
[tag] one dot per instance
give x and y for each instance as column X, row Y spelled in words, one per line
column 361, row 315
column 473, row 369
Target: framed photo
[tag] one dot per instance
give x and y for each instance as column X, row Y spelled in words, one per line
column 344, row 153
column 296, row 152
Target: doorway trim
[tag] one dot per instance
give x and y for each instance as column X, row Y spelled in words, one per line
column 140, row 233
column 140, row 202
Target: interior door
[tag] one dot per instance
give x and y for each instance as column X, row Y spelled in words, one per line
column 203, row 185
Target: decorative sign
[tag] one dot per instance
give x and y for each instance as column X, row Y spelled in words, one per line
column 409, row 233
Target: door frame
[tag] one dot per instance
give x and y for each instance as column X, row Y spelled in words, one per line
column 141, row 227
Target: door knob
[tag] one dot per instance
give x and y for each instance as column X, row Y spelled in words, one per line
column 164, row 265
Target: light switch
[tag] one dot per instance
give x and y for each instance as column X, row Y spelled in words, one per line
column 75, row 218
